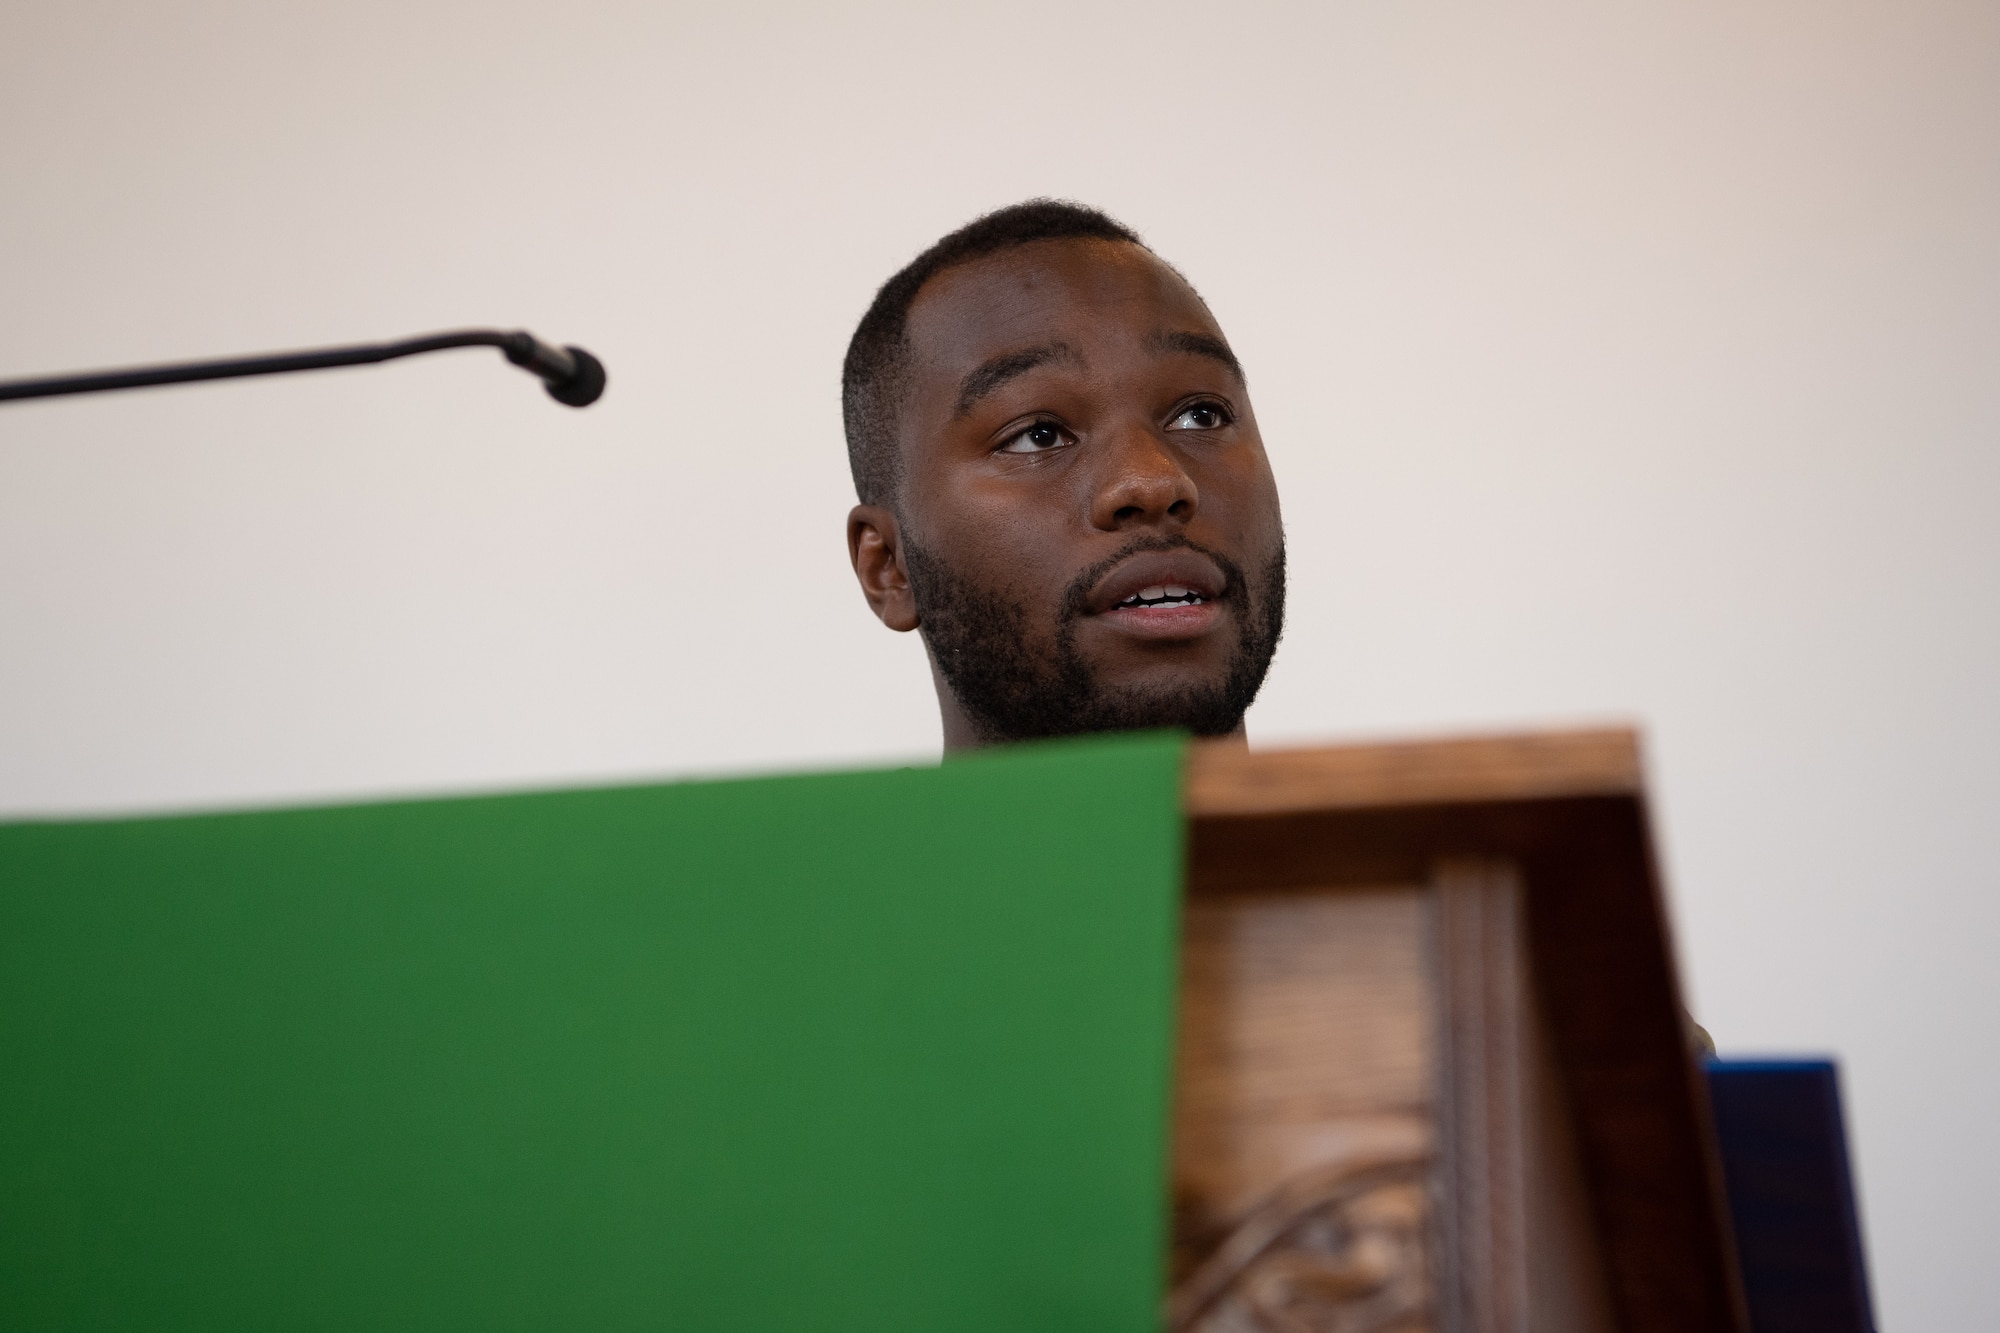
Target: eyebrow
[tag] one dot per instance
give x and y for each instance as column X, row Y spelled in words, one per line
column 1199, row 344
column 996, row 371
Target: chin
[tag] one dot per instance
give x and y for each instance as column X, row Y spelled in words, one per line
column 1202, row 705
column 1162, row 679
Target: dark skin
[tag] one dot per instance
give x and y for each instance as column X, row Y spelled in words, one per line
column 1066, row 399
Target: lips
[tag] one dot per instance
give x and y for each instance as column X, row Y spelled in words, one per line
column 1161, row 595
column 1158, row 579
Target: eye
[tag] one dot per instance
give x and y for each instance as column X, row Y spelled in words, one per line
column 1039, row 438
column 1205, row 415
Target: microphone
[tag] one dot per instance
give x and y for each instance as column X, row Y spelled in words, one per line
column 571, row 375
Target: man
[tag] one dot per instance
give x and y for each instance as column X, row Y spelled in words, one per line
column 1062, row 485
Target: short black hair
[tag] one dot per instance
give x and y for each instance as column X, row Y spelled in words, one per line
column 871, row 379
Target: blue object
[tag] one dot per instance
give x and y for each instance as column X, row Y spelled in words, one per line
column 1791, row 1196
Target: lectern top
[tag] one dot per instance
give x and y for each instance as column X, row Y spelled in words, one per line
column 1227, row 779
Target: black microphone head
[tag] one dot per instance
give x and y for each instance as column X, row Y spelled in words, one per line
column 584, row 387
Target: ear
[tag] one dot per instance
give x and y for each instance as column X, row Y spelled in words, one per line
column 874, row 544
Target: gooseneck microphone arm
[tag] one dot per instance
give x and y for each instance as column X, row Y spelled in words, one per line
column 571, row 375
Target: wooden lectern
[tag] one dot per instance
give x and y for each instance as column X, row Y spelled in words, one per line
column 895, row 1052
column 1432, row 1067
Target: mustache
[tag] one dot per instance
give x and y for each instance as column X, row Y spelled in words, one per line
column 1076, row 597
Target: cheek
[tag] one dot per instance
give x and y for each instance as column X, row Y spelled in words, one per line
column 1239, row 494
column 1022, row 554
column 1006, row 537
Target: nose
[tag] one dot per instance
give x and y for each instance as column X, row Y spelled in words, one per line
column 1142, row 483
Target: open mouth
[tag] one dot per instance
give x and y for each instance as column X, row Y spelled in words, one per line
column 1163, row 594
column 1176, row 594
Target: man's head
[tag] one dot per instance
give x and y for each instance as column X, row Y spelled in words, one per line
column 1062, row 484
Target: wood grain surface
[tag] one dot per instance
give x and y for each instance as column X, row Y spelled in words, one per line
column 1305, row 1037
column 1304, row 1098
column 1226, row 778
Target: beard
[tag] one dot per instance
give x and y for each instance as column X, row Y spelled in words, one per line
column 1013, row 689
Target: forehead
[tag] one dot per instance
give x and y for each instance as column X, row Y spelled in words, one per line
column 1085, row 292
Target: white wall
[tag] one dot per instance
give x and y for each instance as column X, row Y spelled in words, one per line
column 1617, row 362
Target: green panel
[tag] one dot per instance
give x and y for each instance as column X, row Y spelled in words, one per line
column 872, row 1051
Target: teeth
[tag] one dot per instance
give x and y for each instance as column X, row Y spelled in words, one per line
column 1164, row 594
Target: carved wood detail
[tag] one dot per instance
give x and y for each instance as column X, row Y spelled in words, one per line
column 1340, row 1249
